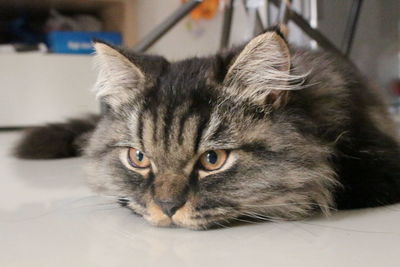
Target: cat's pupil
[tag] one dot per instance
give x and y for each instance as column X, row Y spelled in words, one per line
column 139, row 155
column 212, row 157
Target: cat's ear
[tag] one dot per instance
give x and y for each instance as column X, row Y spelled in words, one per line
column 119, row 79
column 261, row 72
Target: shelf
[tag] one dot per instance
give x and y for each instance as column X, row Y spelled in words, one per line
column 116, row 15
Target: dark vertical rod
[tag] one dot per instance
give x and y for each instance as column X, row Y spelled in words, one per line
column 284, row 9
column 227, row 25
column 351, row 26
column 312, row 33
column 259, row 26
column 166, row 25
column 268, row 14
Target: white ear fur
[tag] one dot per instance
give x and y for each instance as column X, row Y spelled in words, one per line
column 118, row 78
column 261, row 72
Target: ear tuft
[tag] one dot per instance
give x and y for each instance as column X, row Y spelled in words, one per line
column 119, row 79
column 261, row 72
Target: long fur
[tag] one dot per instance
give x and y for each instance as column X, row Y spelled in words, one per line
column 305, row 134
column 56, row 140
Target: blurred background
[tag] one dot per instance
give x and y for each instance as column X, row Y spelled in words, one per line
column 46, row 68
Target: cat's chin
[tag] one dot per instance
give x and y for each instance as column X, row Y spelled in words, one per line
column 182, row 218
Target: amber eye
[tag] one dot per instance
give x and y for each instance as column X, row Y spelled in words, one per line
column 213, row 159
column 137, row 159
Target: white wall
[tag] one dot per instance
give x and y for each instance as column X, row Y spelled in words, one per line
column 38, row 88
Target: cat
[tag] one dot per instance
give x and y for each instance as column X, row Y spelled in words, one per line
column 263, row 130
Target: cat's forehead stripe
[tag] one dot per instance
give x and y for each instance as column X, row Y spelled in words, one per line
column 140, row 130
column 182, row 123
column 168, row 127
column 163, row 129
column 154, row 116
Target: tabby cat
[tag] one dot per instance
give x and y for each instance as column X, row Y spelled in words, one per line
column 263, row 130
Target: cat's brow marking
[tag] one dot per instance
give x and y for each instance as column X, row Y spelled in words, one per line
column 140, row 130
column 123, row 144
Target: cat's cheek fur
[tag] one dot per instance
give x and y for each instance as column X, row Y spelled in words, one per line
column 155, row 216
column 189, row 215
column 182, row 217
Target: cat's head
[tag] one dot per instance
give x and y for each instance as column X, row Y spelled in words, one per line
column 204, row 141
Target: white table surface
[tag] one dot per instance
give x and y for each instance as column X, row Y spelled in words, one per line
column 49, row 217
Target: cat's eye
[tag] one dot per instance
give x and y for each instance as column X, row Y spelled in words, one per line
column 213, row 159
column 137, row 158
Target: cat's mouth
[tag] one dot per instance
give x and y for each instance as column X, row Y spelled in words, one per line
column 185, row 217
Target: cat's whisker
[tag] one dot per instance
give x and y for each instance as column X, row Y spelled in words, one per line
column 263, row 217
column 348, row 229
column 61, row 208
column 220, row 224
column 279, row 220
column 81, row 199
column 287, row 204
column 258, row 217
column 94, row 205
column 274, row 220
column 103, row 209
column 244, row 220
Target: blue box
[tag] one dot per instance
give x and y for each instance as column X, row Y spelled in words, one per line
column 68, row 42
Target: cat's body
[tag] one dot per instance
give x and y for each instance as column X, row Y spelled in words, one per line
column 298, row 132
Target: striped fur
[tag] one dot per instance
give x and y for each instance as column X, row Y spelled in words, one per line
column 305, row 134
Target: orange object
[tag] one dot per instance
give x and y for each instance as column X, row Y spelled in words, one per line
column 206, row 10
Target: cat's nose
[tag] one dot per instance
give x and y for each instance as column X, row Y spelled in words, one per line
column 169, row 207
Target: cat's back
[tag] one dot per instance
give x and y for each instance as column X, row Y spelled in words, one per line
column 338, row 96
column 353, row 119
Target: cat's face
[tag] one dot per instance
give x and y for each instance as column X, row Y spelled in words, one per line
column 192, row 150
